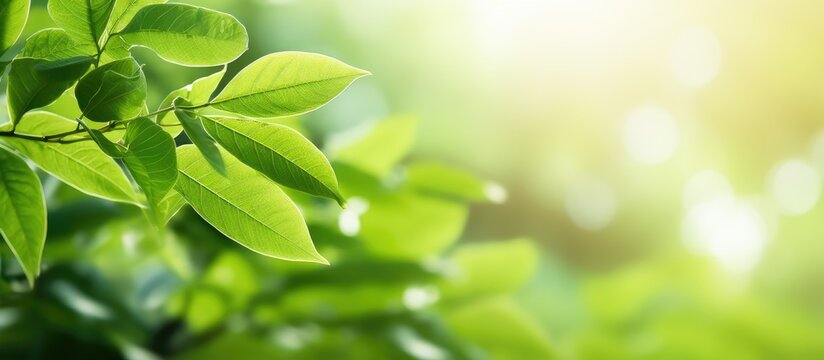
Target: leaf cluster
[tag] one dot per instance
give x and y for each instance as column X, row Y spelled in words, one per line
column 231, row 174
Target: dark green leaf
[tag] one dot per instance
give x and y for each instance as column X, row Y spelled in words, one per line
column 115, row 91
column 150, row 159
column 35, row 83
column 193, row 125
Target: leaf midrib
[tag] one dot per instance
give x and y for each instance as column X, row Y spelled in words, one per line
column 290, row 241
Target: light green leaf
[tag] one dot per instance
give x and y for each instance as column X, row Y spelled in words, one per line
column 115, row 91
column 124, row 11
column 13, row 17
column 35, row 83
column 187, row 35
column 478, row 269
column 501, row 329
column 286, row 83
column 280, row 153
column 450, row 183
column 405, row 225
column 23, row 209
column 245, row 206
column 193, row 125
column 81, row 165
column 110, row 148
column 83, row 20
column 52, row 44
column 169, row 206
column 394, row 137
column 198, row 92
column 150, row 159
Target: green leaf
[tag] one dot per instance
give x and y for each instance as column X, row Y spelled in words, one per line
column 187, row 35
column 405, row 225
column 35, row 83
column 13, row 17
column 52, row 44
column 286, row 83
column 394, row 137
column 150, row 159
column 280, row 153
column 115, row 91
column 110, row 148
column 193, row 125
column 451, row 183
column 81, row 165
column 23, row 209
column 83, row 20
column 478, row 269
column 124, row 11
column 198, row 92
column 245, row 206
column 501, row 329
column 169, row 206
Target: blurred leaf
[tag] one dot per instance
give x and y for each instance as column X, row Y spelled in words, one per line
column 479, row 267
column 280, row 153
column 232, row 274
column 81, row 164
column 394, row 137
column 232, row 345
column 447, row 182
column 285, row 83
column 187, row 35
column 233, row 205
column 13, row 17
column 34, row 83
column 151, row 161
column 500, row 329
column 193, row 126
column 51, row 44
column 23, row 220
column 84, row 21
column 115, row 91
column 408, row 226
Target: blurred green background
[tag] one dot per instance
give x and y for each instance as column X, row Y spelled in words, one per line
column 662, row 164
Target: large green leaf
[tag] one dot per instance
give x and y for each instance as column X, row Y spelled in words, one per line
column 394, row 137
column 193, row 125
column 124, row 11
column 52, row 44
column 115, row 91
column 80, row 164
column 83, row 20
column 245, row 206
column 187, row 35
column 286, row 83
column 23, row 209
column 13, row 17
column 280, row 153
column 150, row 159
column 35, row 83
